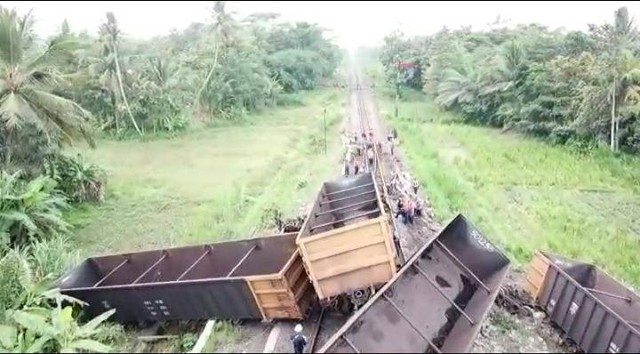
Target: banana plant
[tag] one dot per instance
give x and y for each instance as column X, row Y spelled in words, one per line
column 41, row 329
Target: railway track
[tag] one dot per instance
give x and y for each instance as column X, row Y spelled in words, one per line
column 379, row 164
column 361, row 123
column 316, row 332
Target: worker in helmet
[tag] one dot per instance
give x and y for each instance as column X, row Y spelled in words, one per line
column 299, row 341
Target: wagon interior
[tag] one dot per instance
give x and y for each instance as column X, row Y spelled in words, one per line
column 259, row 256
column 343, row 202
column 436, row 303
column 605, row 288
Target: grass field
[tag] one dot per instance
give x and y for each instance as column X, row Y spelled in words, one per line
column 211, row 184
column 522, row 193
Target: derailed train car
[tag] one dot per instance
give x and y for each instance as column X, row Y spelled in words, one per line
column 346, row 242
column 437, row 301
column 259, row 278
column 592, row 308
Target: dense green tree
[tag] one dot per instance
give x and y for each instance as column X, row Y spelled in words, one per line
column 33, row 116
column 575, row 86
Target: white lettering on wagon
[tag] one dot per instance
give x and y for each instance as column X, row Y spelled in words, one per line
column 482, row 241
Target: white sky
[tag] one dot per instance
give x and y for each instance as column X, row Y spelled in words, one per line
column 353, row 23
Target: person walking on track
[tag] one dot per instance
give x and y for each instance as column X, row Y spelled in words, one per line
column 390, row 143
column 347, row 162
column 371, row 156
column 356, row 145
column 299, row 341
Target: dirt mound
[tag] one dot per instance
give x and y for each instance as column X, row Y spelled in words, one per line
column 273, row 218
column 515, row 325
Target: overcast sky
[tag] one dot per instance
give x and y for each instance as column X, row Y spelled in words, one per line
column 352, row 23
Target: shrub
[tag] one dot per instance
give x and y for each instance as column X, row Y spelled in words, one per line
column 13, row 271
column 29, row 210
column 34, row 319
column 78, row 179
column 51, row 258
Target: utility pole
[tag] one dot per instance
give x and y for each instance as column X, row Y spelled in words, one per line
column 397, row 91
column 324, row 124
column 400, row 66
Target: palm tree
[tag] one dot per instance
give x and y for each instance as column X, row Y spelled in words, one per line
column 28, row 80
column 509, row 70
column 621, row 34
column 458, row 87
column 111, row 77
column 223, row 26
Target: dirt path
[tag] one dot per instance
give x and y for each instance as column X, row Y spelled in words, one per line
column 412, row 237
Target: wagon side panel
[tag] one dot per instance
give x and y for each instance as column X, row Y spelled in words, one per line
column 596, row 321
column 222, row 299
column 536, row 274
column 299, row 283
column 349, row 259
column 434, row 301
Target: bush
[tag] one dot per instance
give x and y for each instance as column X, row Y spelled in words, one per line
column 34, row 319
column 29, row 210
column 13, row 271
column 51, row 330
column 78, row 179
column 111, row 333
column 51, row 258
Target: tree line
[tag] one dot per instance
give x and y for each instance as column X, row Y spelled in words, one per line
column 75, row 87
column 569, row 87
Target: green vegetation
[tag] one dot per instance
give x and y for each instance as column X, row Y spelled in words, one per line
column 35, row 319
column 523, row 193
column 577, row 88
column 577, row 91
column 214, row 184
column 202, row 132
column 223, row 335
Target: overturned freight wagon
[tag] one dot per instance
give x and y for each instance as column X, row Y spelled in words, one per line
column 346, row 242
column 437, row 301
column 593, row 309
column 260, row 278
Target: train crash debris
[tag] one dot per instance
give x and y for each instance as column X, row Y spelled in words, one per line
column 592, row 308
column 437, row 301
column 259, row 278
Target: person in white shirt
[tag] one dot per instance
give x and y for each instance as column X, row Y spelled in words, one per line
column 371, row 156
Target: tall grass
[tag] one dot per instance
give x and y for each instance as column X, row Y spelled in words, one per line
column 222, row 335
column 212, row 184
column 523, row 193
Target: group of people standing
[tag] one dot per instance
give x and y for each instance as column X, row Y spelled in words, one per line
column 357, row 149
column 409, row 204
column 360, row 148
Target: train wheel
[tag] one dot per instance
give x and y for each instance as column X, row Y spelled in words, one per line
column 359, row 297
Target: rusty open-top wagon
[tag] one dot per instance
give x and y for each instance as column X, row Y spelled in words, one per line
column 259, row 278
column 346, row 241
